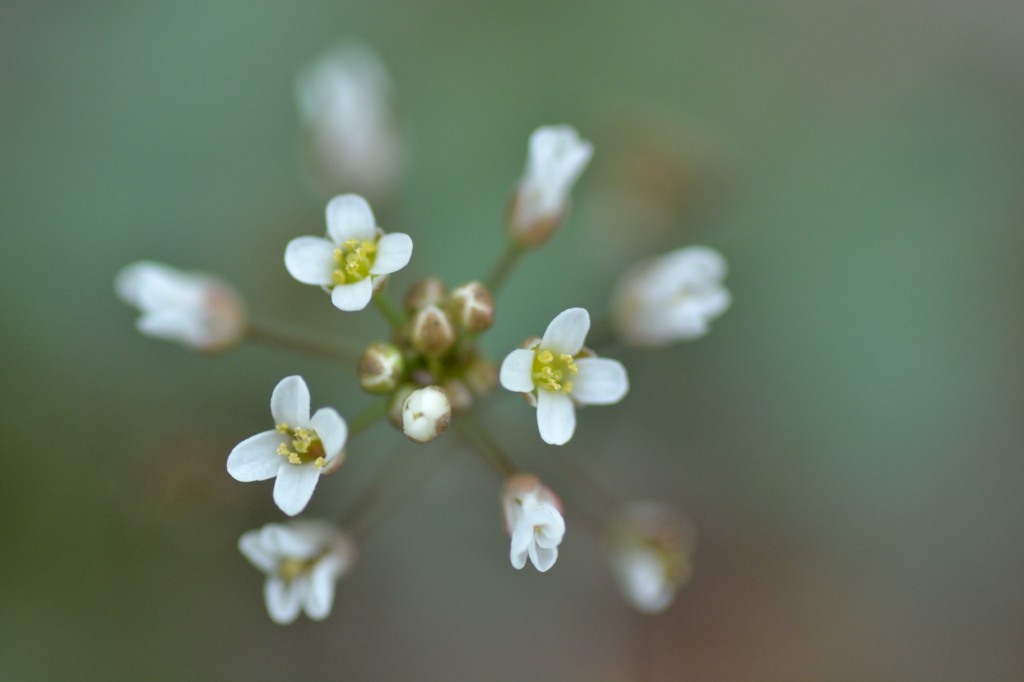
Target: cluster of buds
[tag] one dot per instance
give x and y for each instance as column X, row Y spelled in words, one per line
column 431, row 372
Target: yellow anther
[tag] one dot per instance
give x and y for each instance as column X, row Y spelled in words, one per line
column 570, row 366
column 293, row 568
column 293, row 458
column 567, row 388
column 320, row 463
column 354, row 259
column 545, row 357
column 550, row 371
column 282, row 450
column 282, row 428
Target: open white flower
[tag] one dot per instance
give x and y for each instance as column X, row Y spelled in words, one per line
column 193, row 309
column 297, row 451
column 533, row 517
column 649, row 547
column 354, row 144
column 352, row 259
column 302, row 560
column 554, row 162
column 671, row 298
column 558, row 374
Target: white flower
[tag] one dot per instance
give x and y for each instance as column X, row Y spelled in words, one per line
column 303, row 560
column 670, row 298
column 297, row 451
column 355, row 254
column 345, row 100
column 649, row 547
column 196, row 310
column 559, row 373
column 555, row 160
column 533, row 517
column 426, row 414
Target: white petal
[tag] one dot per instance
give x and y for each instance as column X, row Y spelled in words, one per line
column 517, row 370
column 522, row 537
column 288, row 542
column 256, row 458
column 282, row 600
column 567, row 332
column 350, row 217
column 253, row 550
column 174, row 324
column 556, row 417
column 294, row 487
column 543, row 558
column 355, row 296
column 601, row 381
column 320, row 597
column 289, row 403
column 393, row 253
column 310, row 260
column 332, row 429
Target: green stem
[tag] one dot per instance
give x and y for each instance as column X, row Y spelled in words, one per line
column 471, row 431
column 391, row 312
column 501, row 270
column 368, row 417
column 284, row 338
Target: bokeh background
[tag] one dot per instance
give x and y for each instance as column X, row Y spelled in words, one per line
column 847, row 439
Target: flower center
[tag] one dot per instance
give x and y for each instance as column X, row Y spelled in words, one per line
column 553, row 372
column 306, row 447
column 353, row 260
column 292, row 568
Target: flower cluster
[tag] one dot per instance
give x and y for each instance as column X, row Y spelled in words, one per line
column 431, row 372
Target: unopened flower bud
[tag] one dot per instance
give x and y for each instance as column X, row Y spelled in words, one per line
column 473, row 307
column 556, row 158
column 481, row 376
column 380, row 367
column 459, row 395
column 432, row 332
column 426, row 414
column 424, row 293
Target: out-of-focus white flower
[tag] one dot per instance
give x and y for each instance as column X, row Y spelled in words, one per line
column 558, row 373
column 354, row 257
column 302, row 560
column 649, row 547
column 671, row 298
column 555, row 160
column 297, row 451
column 346, row 103
column 533, row 517
column 194, row 309
column 426, row 414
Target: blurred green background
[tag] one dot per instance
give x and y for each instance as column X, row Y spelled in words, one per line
column 847, row 439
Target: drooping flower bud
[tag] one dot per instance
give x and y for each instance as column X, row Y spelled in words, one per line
column 380, row 367
column 432, row 332
column 426, row 414
column 426, row 292
column 532, row 515
column 473, row 307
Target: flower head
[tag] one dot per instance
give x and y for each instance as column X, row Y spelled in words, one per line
column 196, row 310
column 533, row 517
column 296, row 451
column 345, row 101
column 353, row 257
column 649, row 547
column 671, row 298
column 302, row 561
column 558, row 373
column 555, row 160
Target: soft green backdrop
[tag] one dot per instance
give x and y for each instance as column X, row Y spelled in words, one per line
column 847, row 439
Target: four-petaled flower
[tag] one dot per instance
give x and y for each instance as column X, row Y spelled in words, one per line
column 558, row 373
column 193, row 309
column 302, row 560
column 353, row 258
column 533, row 517
column 556, row 158
column 671, row 298
column 297, row 451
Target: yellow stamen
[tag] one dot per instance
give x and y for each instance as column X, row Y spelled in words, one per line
column 550, row 372
column 353, row 261
column 306, row 447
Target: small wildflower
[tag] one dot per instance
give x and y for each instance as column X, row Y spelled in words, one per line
column 554, row 162
column 353, row 139
column 302, row 560
column 649, row 546
column 533, row 517
column 354, row 256
column 671, row 298
column 558, row 374
column 296, row 451
column 193, row 309
column 426, row 414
